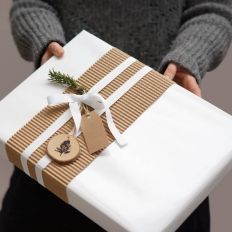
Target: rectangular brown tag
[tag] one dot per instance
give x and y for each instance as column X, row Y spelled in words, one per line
column 94, row 132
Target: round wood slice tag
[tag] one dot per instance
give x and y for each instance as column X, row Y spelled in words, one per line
column 63, row 148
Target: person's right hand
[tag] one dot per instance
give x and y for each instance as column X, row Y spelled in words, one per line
column 183, row 78
column 53, row 48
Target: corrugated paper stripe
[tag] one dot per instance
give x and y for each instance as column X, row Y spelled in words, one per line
column 125, row 111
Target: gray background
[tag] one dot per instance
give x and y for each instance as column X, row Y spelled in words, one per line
column 216, row 89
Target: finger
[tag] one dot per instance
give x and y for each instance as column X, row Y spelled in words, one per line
column 197, row 91
column 188, row 82
column 56, row 49
column 191, row 85
column 45, row 57
column 171, row 71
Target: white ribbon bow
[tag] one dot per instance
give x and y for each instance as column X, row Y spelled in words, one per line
column 96, row 101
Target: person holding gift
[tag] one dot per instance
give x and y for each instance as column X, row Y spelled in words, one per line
column 182, row 39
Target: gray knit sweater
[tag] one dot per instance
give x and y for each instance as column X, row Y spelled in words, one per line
column 193, row 33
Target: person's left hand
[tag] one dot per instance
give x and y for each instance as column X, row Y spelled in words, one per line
column 182, row 77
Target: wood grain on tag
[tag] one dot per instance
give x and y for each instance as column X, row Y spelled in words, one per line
column 63, row 148
column 94, row 132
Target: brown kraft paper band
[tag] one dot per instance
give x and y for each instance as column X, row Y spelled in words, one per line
column 125, row 111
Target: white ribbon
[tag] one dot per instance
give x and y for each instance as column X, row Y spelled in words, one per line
column 94, row 100
column 60, row 121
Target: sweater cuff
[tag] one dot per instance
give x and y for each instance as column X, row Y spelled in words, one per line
column 35, row 24
column 180, row 57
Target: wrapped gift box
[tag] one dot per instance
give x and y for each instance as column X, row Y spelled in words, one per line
column 178, row 145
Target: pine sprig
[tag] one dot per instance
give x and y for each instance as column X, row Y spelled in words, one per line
column 65, row 80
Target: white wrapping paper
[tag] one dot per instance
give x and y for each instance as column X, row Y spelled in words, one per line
column 177, row 151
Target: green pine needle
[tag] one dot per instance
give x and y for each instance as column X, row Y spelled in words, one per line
column 65, row 80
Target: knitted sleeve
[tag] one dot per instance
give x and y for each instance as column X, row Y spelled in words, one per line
column 34, row 25
column 203, row 37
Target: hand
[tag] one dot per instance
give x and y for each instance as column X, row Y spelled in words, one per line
column 183, row 78
column 53, row 48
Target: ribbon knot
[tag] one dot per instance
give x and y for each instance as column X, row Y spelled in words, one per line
column 94, row 100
